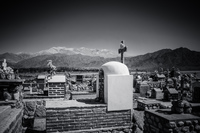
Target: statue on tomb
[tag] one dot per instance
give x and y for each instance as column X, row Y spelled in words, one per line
column 7, row 96
column 53, row 69
column 6, row 72
column 4, row 65
column 121, row 50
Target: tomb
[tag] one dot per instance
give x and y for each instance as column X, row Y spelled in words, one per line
column 196, row 92
column 115, row 86
column 157, row 93
column 84, row 116
column 41, row 84
column 79, row 78
column 10, row 100
column 143, row 89
column 112, row 109
column 160, row 77
column 182, row 117
column 163, row 121
column 147, row 104
column 170, row 94
column 56, row 85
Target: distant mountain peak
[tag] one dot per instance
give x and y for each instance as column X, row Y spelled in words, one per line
column 82, row 50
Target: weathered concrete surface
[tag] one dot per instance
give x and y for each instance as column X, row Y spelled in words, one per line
column 4, row 109
column 11, row 120
column 39, row 124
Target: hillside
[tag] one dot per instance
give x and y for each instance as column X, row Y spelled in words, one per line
column 182, row 58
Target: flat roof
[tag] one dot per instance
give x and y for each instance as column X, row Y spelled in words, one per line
column 41, row 77
column 57, row 79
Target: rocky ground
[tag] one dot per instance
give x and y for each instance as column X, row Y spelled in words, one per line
column 138, row 115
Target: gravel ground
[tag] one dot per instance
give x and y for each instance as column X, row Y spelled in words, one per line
column 138, row 114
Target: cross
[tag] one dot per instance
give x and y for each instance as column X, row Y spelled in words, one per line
column 121, row 50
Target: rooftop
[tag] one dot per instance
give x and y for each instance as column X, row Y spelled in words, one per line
column 114, row 67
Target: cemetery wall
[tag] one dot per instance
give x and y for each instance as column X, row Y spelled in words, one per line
column 170, row 123
column 56, row 89
column 90, row 119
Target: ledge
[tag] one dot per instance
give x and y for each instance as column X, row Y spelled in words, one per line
column 167, row 115
column 56, row 104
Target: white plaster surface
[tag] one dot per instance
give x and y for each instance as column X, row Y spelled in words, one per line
column 114, row 67
column 57, row 79
column 119, row 90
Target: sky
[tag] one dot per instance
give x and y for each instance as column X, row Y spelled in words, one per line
column 145, row 26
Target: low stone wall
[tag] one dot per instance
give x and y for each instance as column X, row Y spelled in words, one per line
column 56, row 89
column 87, row 119
column 11, row 121
column 147, row 104
column 162, row 121
column 83, row 95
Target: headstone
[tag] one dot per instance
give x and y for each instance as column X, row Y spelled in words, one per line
column 171, row 94
column 157, row 93
column 117, row 85
column 144, row 88
column 196, row 92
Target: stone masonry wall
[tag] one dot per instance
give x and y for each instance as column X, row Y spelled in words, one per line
column 156, row 124
column 56, row 89
column 90, row 119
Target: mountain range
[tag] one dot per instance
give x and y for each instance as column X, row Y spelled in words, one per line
column 182, row 58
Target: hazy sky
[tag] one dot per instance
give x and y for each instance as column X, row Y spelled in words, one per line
column 146, row 26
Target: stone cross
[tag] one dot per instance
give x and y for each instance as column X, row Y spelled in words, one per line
column 121, row 50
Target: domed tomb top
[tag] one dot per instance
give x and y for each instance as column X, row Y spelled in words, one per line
column 114, row 67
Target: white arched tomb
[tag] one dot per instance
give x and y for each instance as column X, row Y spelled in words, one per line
column 118, row 86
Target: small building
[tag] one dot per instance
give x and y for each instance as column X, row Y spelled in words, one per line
column 143, row 89
column 41, row 83
column 170, row 94
column 157, row 93
column 79, row 78
column 170, row 83
column 41, row 79
column 115, row 86
column 160, row 77
column 56, row 86
column 196, row 92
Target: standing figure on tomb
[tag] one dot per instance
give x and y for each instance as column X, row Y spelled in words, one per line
column 121, row 50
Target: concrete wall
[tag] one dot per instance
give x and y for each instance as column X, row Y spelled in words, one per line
column 118, row 92
column 90, row 119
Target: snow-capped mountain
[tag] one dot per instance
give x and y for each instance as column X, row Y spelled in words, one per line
column 83, row 51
